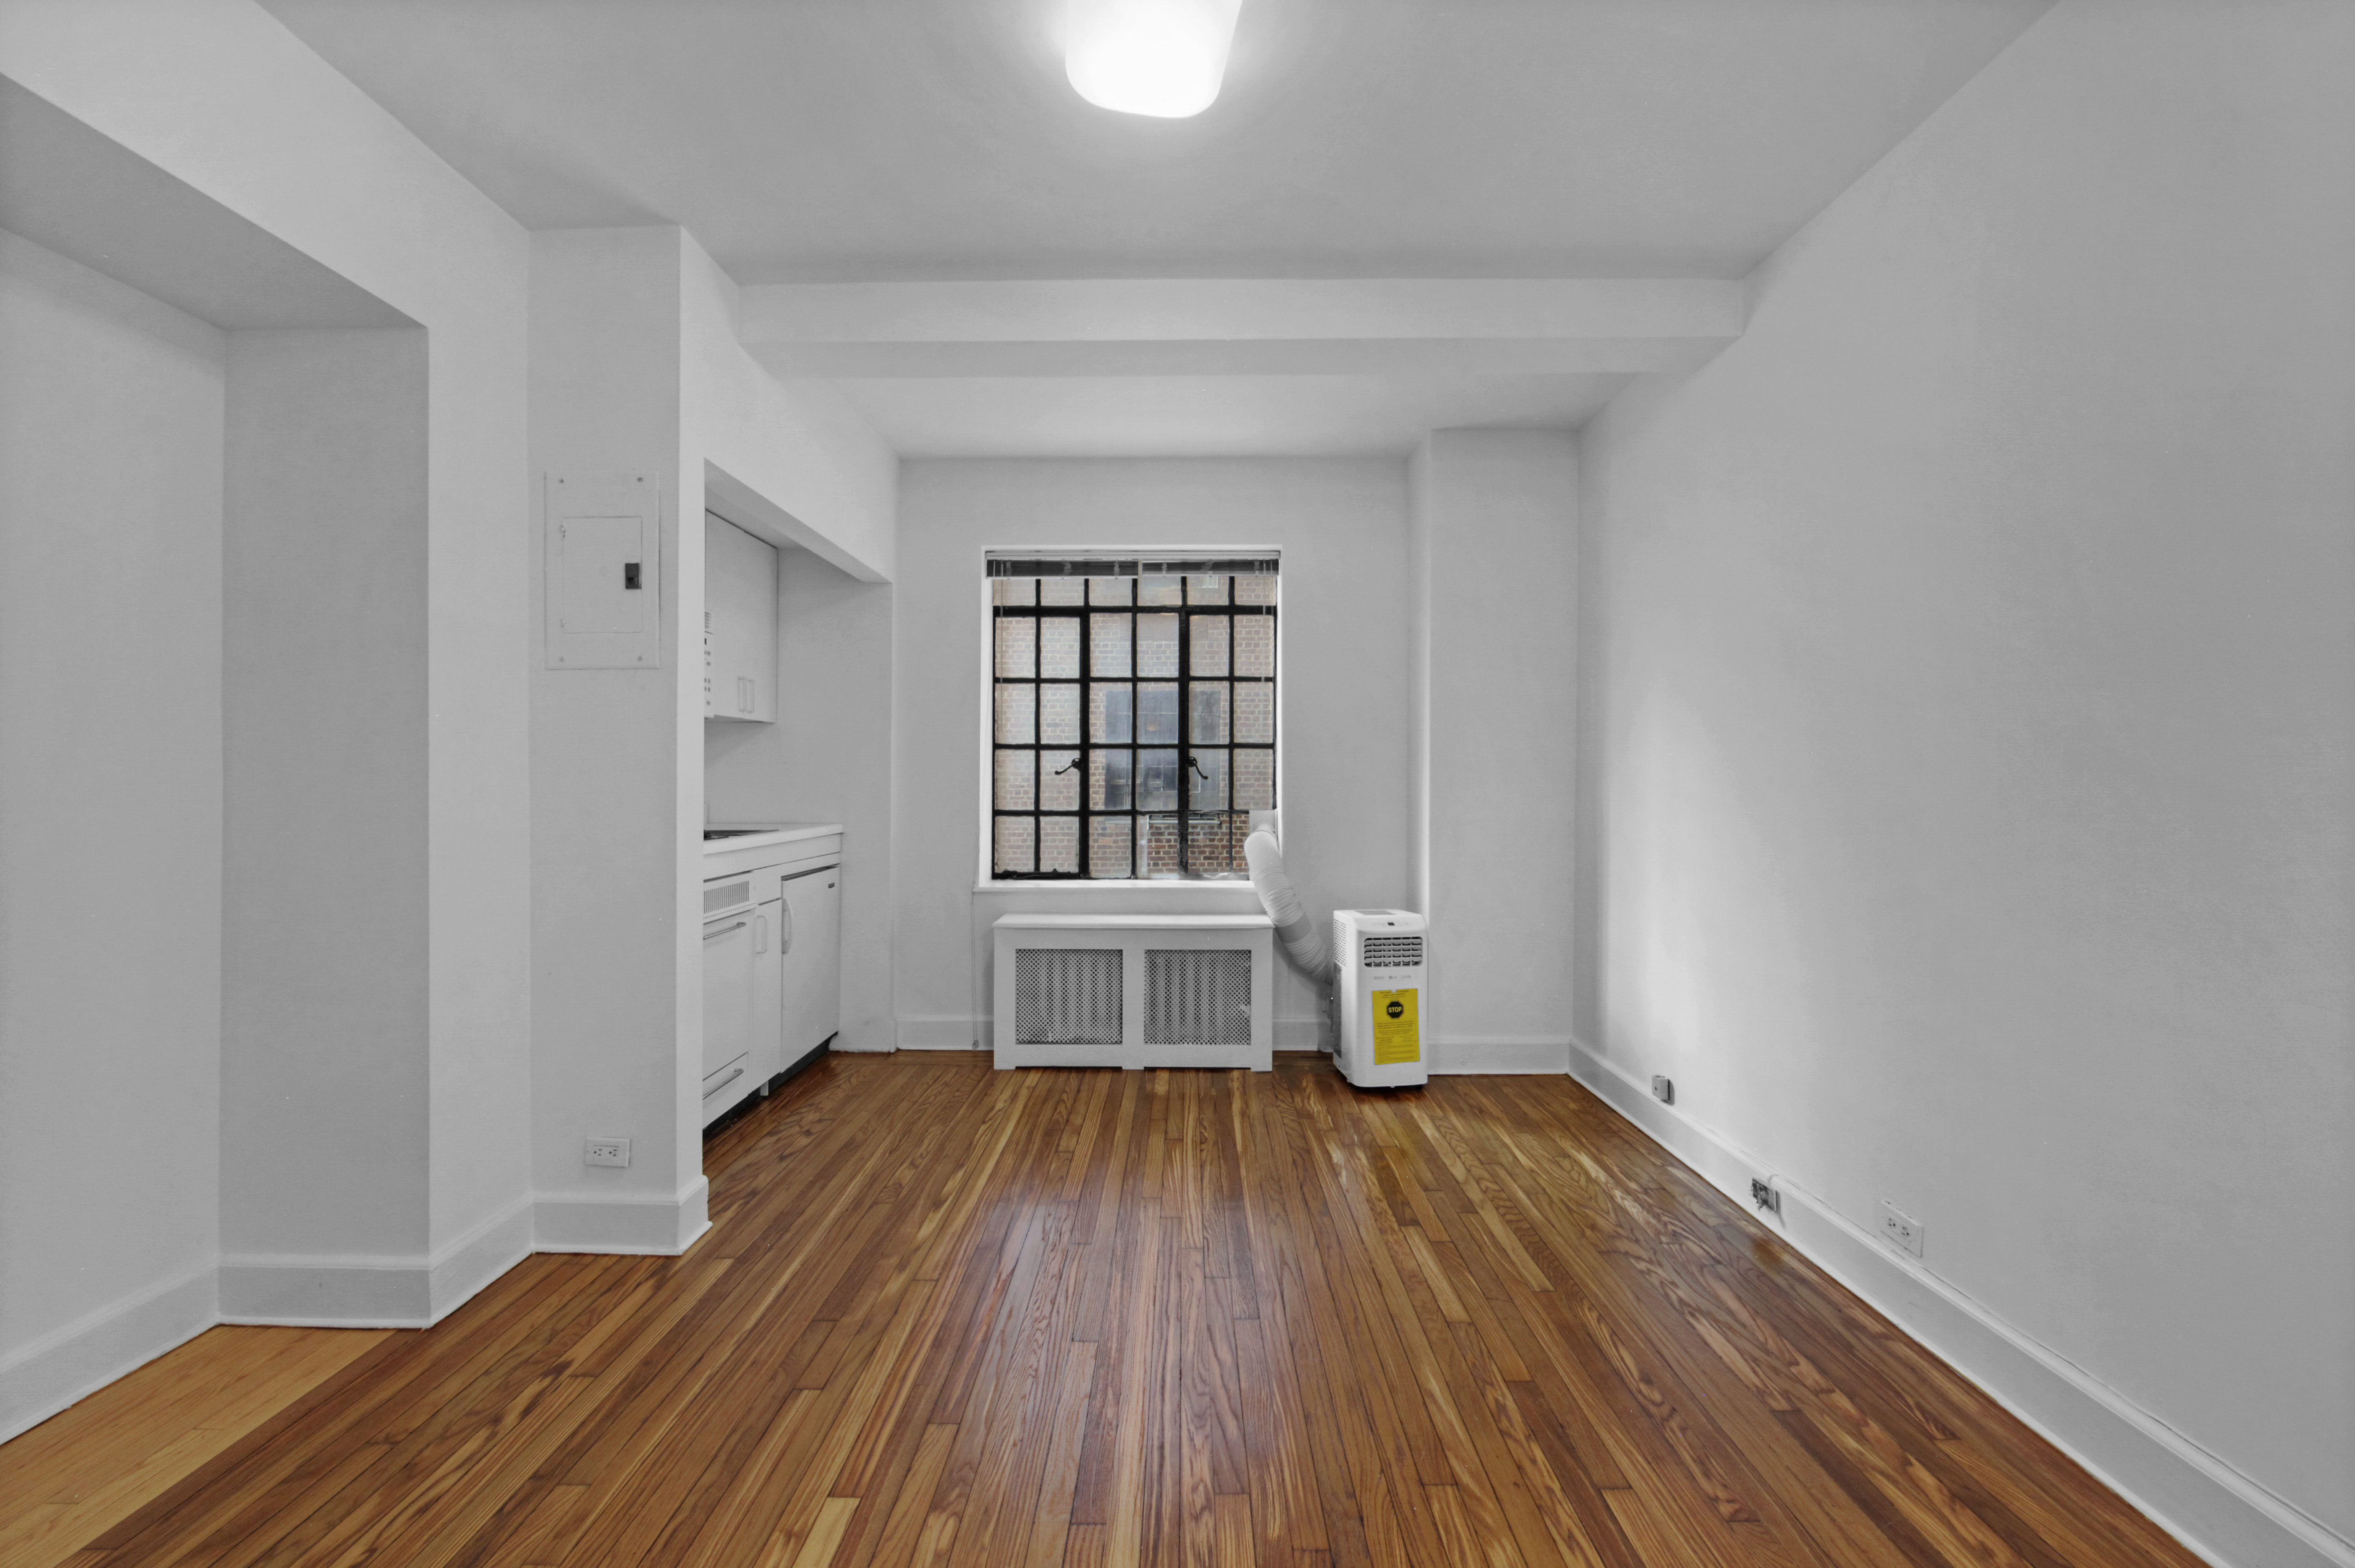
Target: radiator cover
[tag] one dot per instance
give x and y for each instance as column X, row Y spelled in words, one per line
column 1134, row 990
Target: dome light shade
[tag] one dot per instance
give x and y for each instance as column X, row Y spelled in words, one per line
column 1162, row 58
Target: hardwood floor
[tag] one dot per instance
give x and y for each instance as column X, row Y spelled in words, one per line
column 952, row 1316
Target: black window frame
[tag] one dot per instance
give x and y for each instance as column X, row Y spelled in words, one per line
column 1234, row 819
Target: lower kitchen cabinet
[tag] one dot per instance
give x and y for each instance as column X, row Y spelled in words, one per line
column 771, row 956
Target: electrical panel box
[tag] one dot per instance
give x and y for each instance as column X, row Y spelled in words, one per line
column 603, row 571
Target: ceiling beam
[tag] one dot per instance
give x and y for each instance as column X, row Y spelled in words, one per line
column 1151, row 327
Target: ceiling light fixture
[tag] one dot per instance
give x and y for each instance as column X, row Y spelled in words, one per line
column 1162, row 58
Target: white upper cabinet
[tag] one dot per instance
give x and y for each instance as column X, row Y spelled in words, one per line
column 740, row 624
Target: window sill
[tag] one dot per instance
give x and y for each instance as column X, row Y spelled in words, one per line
column 1152, row 884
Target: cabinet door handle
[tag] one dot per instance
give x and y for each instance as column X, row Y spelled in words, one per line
column 760, row 933
column 785, row 927
column 723, row 1083
column 723, row 930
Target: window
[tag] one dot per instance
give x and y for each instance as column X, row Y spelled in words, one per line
column 1133, row 716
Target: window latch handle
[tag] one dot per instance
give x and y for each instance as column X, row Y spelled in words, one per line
column 1066, row 768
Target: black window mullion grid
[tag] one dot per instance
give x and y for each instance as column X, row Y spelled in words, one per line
column 1185, row 726
column 1138, row 836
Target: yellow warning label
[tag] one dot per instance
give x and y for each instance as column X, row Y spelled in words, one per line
column 1397, row 1037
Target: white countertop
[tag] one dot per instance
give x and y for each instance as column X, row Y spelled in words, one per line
column 1133, row 922
column 769, row 836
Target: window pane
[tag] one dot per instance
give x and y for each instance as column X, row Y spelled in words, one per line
column 1157, row 644
column 1206, row 589
column 1063, row 590
column 1156, row 780
column 1059, row 781
column 1018, row 839
column 1254, row 645
column 1058, row 714
column 1109, row 708
column 1016, row 709
column 1108, row 774
column 1159, row 851
column 1254, row 780
column 1111, row 590
column 1210, row 700
column 1161, row 591
column 1256, row 589
column 1059, row 844
column 1108, row 854
column 1108, row 644
column 1210, row 644
column 1015, row 773
column 1016, row 647
column 1206, row 782
column 1156, row 713
column 1254, row 713
column 1214, row 842
column 1014, row 590
column 1059, row 647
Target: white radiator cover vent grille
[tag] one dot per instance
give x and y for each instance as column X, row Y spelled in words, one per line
column 1197, row 996
column 1133, row 991
column 1391, row 952
column 1066, row 996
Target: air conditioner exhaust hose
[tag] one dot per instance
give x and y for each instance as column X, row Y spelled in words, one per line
column 1303, row 938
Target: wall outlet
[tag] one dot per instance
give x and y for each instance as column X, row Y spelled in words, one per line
column 605, row 1151
column 1900, row 1229
column 1766, row 1199
column 1664, row 1090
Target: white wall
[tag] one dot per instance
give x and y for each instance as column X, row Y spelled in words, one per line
column 1975, row 684
column 636, row 368
column 217, row 94
column 111, row 410
column 827, row 759
column 1341, row 526
column 608, row 817
column 326, row 1124
column 1494, row 547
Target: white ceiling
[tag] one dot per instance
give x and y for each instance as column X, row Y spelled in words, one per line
column 807, row 140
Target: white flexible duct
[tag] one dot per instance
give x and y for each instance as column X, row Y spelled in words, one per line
column 1303, row 938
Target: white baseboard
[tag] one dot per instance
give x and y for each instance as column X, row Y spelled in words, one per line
column 1299, row 1034
column 654, row 1225
column 77, row 1359
column 1500, row 1053
column 377, row 1292
column 297, row 1290
column 2225, row 1516
column 486, row 1250
column 940, row 1034
column 68, row 1364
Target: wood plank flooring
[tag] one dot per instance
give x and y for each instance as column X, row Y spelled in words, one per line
column 949, row 1316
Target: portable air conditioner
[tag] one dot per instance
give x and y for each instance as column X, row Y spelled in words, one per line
column 1379, row 991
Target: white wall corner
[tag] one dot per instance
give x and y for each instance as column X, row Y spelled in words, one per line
column 488, row 1249
column 77, row 1359
column 2227, row 1518
column 653, row 1226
